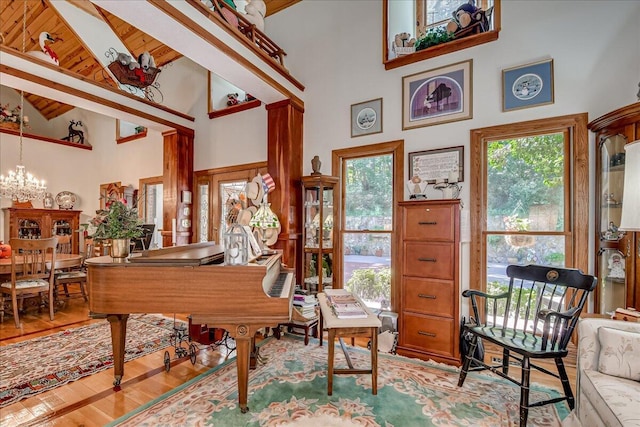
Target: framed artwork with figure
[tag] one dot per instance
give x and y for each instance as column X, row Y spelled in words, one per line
column 437, row 96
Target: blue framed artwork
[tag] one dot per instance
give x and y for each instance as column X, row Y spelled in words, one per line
column 437, row 96
column 527, row 86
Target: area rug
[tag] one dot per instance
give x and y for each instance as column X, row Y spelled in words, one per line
column 44, row 363
column 290, row 389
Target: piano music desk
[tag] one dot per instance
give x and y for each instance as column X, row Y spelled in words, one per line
column 339, row 328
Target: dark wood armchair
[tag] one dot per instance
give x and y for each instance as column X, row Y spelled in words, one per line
column 533, row 319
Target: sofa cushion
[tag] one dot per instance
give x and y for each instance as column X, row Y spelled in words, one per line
column 619, row 352
column 616, row 400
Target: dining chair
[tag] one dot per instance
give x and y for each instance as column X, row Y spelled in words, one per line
column 29, row 274
column 67, row 276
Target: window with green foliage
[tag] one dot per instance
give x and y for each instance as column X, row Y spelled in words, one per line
column 529, row 197
column 371, row 179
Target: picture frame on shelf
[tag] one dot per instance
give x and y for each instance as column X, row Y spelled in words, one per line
column 527, row 86
column 366, row 118
column 440, row 165
column 437, row 96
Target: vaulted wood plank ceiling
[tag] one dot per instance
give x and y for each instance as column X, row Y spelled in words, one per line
column 74, row 55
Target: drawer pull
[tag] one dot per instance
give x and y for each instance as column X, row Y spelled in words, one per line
column 427, row 222
column 426, row 296
column 427, row 259
column 428, row 334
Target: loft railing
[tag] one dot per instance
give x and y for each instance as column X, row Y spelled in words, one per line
column 247, row 29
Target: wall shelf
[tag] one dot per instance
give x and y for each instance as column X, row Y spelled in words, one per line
column 46, row 139
column 243, row 106
column 133, row 137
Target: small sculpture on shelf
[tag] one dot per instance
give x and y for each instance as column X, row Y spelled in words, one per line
column 315, row 165
column 610, row 199
column 232, row 99
column 75, row 135
column 612, row 232
column 417, row 187
column 616, row 267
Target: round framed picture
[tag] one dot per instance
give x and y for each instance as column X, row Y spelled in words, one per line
column 366, row 118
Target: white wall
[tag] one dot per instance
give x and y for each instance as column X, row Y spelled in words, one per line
column 338, row 56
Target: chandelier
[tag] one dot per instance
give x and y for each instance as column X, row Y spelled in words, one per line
column 20, row 185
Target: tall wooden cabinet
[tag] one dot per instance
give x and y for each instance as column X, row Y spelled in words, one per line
column 32, row 223
column 429, row 311
column 617, row 257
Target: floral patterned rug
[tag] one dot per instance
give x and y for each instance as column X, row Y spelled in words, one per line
column 290, row 389
column 34, row 366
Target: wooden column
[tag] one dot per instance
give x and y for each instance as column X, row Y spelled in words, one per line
column 177, row 177
column 284, row 163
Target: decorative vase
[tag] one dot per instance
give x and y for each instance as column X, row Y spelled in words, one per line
column 119, row 249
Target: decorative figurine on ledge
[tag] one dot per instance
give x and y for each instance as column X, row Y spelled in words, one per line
column 417, row 187
column 616, row 266
column 315, row 165
column 75, row 135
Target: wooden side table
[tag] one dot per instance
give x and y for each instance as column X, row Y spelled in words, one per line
column 339, row 328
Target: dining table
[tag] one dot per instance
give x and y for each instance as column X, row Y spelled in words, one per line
column 62, row 261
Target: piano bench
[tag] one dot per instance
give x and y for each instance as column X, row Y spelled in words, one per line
column 299, row 328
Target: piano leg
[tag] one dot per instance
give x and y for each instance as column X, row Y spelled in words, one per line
column 243, row 350
column 118, row 324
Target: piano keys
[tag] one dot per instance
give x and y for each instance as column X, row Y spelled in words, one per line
column 192, row 279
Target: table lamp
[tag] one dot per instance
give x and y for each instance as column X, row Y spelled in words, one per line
column 630, row 220
column 263, row 220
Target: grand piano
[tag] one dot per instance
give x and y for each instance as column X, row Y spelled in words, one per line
column 192, row 279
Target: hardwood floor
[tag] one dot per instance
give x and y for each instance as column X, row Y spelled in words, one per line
column 91, row 401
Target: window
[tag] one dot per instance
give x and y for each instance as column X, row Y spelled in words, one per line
column 371, row 178
column 215, row 189
column 529, row 197
column 416, row 17
column 150, row 206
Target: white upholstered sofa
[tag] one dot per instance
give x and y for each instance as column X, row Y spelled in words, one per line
column 608, row 374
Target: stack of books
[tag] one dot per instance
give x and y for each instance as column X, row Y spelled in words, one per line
column 305, row 305
column 344, row 304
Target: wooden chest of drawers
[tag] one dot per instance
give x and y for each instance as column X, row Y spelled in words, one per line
column 429, row 312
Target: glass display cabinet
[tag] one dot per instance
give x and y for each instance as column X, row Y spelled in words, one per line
column 319, row 217
column 617, row 258
column 611, row 258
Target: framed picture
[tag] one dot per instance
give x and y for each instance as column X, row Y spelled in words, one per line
column 527, row 86
column 366, row 118
column 437, row 96
column 442, row 165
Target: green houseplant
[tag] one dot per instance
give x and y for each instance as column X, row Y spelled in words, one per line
column 117, row 221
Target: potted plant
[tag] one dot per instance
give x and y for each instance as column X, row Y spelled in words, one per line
column 118, row 223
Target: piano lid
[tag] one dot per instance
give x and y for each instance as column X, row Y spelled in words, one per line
column 193, row 254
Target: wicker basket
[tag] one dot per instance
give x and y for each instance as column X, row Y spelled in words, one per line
column 136, row 77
